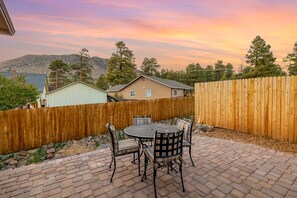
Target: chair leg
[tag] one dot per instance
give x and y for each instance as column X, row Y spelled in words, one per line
column 190, row 154
column 181, row 175
column 111, row 162
column 133, row 162
column 145, row 166
column 138, row 163
column 155, row 175
column 114, row 168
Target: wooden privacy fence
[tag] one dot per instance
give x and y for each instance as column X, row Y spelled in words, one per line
column 262, row 106
column 31, row 128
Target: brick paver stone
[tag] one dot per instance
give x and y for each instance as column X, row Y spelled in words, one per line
column 223, row 168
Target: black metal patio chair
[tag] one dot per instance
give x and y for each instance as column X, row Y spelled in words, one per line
column 166, row 151
column 187, row 126
column 119, row 148
column 139, row 120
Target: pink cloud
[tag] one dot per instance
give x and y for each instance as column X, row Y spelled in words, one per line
column 175, row 32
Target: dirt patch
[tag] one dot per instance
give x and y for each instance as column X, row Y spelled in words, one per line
column 247, row 138
column 74, row 149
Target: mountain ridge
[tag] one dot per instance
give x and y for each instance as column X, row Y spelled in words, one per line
column 38, row 64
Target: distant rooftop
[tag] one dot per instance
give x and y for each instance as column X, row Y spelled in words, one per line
column 6, row 26
column 169, row 83
column 35, row 79
column 116, row 88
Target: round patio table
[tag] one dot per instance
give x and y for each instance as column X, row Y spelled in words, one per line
column 147, row 131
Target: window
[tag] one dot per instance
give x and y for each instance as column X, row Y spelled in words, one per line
column 148, row 93
column 175, row 92
column 132, row 93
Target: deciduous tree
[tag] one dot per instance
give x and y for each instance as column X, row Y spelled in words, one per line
column 14, row 93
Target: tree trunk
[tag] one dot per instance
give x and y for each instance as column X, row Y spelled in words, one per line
column 57, row 75
column 80, row 73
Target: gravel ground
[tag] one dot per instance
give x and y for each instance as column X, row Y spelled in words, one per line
column 247, row 138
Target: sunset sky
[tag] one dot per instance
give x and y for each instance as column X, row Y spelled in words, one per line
column 175, row 32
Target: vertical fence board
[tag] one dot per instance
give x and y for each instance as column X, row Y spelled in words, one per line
column 295, row 110
column 30, row 128
column 263, row 106
column 269, row 107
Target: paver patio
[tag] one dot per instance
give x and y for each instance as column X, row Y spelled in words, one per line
column 223, row 169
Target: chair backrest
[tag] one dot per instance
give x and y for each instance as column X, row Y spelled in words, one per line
column 168, row 145
column 138, row 120
column 187, row 126
column 114, row 143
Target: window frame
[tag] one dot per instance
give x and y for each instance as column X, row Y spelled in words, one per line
column 132, row 91
column 148, row 91
column 174, row 92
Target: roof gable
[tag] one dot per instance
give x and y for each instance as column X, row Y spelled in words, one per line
column 168, row 83
column 74, row 83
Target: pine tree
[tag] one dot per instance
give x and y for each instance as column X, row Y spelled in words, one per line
column 209, row 74
column 149, row 66
column 59, row 72
column 102, row 82
column 219, row 70
column 229, row 71
column 261, row 60
column 292, row 59
column 121, row 66
column 194, row 73
column 82, row 71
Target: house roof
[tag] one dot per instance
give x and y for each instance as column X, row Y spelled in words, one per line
column 6, row 26
column 77, row 82
column 36, row 79
column 168, row 83
column 115, row 88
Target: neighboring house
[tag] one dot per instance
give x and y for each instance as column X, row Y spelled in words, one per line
column 149, row 87
column 6, row 26
column 75, row 94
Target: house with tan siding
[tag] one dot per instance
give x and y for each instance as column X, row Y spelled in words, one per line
column 150, row 87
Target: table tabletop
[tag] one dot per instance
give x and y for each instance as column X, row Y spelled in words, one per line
column 147, row 131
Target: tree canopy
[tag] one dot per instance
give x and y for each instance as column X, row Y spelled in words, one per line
column 83, row 69
column 14, row 93
column 261, row 60
column 292, row 59
column 102, row 82
column 149, row 66
column 59, row 74
column 121, row 66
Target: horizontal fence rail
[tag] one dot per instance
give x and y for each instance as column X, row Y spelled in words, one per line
column 263, row 106
column 31, row 128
